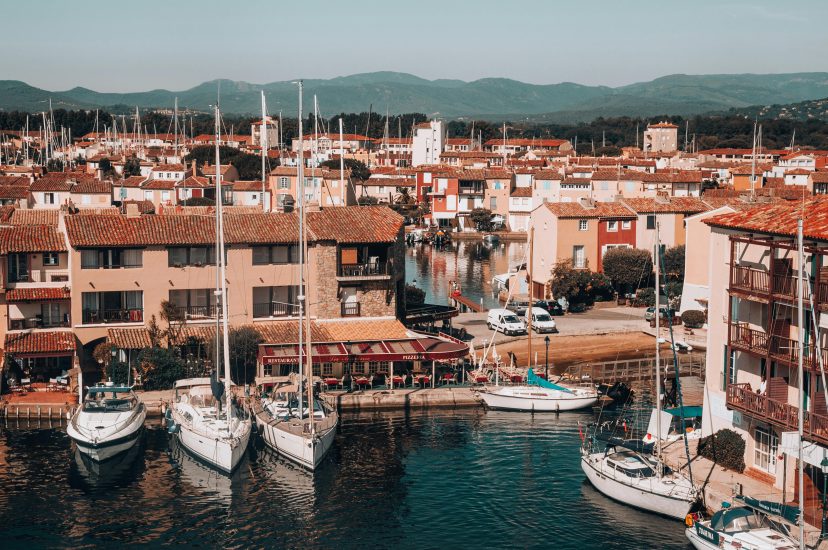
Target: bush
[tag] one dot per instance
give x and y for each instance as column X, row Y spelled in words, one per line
column 726, row 448
column 414, row 296
column 159, row 368
column 645, row 296
column 578, row 307
column 693, row 318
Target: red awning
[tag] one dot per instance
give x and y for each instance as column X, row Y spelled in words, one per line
column 427, row 348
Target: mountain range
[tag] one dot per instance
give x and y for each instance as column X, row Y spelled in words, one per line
column 488, row 98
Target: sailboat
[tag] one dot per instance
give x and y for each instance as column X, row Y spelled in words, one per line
column 302, row 431
column 216, row 434
column 538, row 394
column 625, row 472
column 109, row 421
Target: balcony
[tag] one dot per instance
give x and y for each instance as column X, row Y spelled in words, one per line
column 742, row 397
column 97, row 316
column 472, row 190
column 758, row 284
column 750, row 280
column 744, row 338
column 350, row 309
column 373, row 269
column 776, row 347
column 190, row 313
column 38, row 322
column 274, row 309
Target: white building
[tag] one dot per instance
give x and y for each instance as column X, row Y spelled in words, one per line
column 661, row 138
column 428, row 143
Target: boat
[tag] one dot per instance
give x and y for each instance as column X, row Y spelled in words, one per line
column 757, row 525
column 627, row 472
column 108, row 422
column 538, row 395
column 290, row 418
column 214, row 431
column 93, row 476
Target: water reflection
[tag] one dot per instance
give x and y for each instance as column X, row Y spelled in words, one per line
column 91, row 476
column 471, row 263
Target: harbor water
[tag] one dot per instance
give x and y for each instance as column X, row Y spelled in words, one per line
column 452, row 479
column 471, row 264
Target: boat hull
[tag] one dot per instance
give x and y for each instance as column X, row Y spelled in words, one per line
column 494, row 400
column 296, row 447
column 637, row 497
column 223, row 454
column 114, row 444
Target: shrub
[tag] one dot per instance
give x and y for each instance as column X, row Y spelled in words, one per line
column 645, row 296
column 160, row 368
column 414, row 296
column 693, row 318
column 726, row 448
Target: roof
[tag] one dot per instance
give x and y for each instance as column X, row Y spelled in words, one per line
column 798, row 172
column 129, row 338
column 164, row 185
column 819, row 177
column 521, row 192
column 196, row 182
column 37, row 294
column 358, row 224
column 91, row 186
column 169, row 168
column 600, row 210
column 245, row 185
column 674, row 205
column 662, row 125
column 36, row 216
column 30, row 343
column 132, row 181
column 60, row 181
column 33, row 238
column 780, row 219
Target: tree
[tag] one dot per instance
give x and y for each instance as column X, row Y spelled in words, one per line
column 106, row 168
column 359, row 171
column 414, row 296
column 244, row 352
column 159, row 368
column 132, row 167
column 672, row 262
column 198, row 201
column 573, row 284
column 627, row 267
column 482, row 219
column 404, row 197
column 367, row 200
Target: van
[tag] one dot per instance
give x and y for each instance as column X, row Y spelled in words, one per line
column 505, row 321
column 542, row 321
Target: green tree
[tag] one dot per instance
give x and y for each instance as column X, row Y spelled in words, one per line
column 627, row 268
column 132, row 167
column 107, row 171
column 359, row 171
column 482, row 219
column 414, row 296
column 198, row 201
column 673, row 263
column 159, row 368
column 367, row 200
column 244, row 352
column 573, row 284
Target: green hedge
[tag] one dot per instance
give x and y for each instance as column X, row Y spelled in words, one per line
column 693, row 318
column 726, row 448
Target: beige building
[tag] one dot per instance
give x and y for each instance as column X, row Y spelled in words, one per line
column 661, row 138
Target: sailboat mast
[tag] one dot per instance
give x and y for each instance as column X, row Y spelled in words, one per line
column 341, row 167
column 657, row 257
column 800, row 374
column 225, row 347
column 263, row 144
column 300, row 192
column 531, row 295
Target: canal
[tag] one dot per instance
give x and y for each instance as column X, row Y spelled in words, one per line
column 452, row 479
column 470, row 263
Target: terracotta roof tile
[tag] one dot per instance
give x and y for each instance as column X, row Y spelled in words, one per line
column 31, row 238
column 129, row 338
column 38, row 216
column 780, row 219
column 245, row 185
column 36, row 294
column 355, row 224
column 196, row 182
column 132, row 182
column 676, row 205
column 55, row 341
column 819, row 177
column 521, row 192
column 60, row 181
column 600, row 210
column 90, row 186
column 159, row 185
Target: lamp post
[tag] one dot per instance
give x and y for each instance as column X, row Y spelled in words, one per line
column 546, row 341
column 824, row 467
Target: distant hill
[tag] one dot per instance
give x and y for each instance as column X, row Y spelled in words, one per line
column 812, row 109
column 406, row 93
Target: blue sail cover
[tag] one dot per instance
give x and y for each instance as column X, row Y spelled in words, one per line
column 785, row 511
column 535, row 380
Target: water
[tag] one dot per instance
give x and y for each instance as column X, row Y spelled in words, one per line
column 448, row 480
column 471, row 263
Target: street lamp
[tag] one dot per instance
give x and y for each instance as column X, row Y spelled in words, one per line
column 546, row 341
column 824, row 467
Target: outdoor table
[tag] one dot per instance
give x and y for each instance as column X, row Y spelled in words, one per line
column 331, row 382
column 423, row 381
column 362, row 382
column 397, row 381
column 448, row 378
column 481, row 379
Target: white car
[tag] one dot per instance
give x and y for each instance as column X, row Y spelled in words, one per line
column 542, row 321
column 505, row 321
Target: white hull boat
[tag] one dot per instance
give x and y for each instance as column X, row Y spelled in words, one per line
column 109, row 422
column 538, row 396
column 744, row 527
column 629, row 477
column 205, row 431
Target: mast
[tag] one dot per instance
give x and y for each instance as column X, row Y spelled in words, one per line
column 800, row 373
column 753, row 166
column 225, row 344
column 175, row 129
column 300, row 182
column 658, row 346
column 531, row 294
column 263, row 144
column 341, row 167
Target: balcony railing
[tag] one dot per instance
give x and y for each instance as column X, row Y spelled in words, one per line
column 744, row 398
column 777, row 347
column 370, row 269
column 94, row 316
column 350, row 309
column 747, row 339
column 748, row 279
column 472, row 190
column 37, row 322
column 198, row 312
column 275, row 309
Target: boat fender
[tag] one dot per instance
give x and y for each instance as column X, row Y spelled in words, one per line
column 688, row 520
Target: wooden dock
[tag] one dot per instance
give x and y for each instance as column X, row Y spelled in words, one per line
column 465, row 304
column 35, row 411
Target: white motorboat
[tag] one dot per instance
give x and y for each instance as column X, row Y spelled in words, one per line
column 214, row 434
column 109, row 421
column 538, row 395
column 632, row 478
column 743, row 527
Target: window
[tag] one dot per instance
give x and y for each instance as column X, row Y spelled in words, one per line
column 48, row 198
column 651, row 221
column 583, row 225
column 195, row 303
column 626, row 224
column 492, row 203
column 51, row 258
column 147, row 195
column 547, row 186
column 275, row 301
column 578, row 257
column 178, row 256
column 113, row 307
column 327, row 369
column 111, row 258
column 18, row 268
column 165, row 195
column 612, row 225
column 765, row 450
column 86, row 199
column 284, row 183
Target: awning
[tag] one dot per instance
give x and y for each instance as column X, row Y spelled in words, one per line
column 41, row 343
column 425, row 348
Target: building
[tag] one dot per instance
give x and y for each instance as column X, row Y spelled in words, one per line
column 520, row 208
column 661, row 138
column 322, row 186
column 669, row 212
column 752, row 349
column 269, row 128
column 427, row 145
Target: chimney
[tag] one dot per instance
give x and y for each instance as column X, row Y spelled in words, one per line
column 193, row 167
column 587, row 202
column 132, row 210
column 662, row 199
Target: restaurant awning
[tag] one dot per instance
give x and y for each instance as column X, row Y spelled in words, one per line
column 421, row 348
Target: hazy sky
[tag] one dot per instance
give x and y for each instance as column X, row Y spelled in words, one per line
column 176, row 44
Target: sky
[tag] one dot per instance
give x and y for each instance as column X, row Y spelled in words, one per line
column 114, row 46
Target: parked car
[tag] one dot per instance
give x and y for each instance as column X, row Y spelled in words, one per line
column 552, row 307
column 666, row 313
column 542, row 321
column 519, row 307
column 505, row 321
